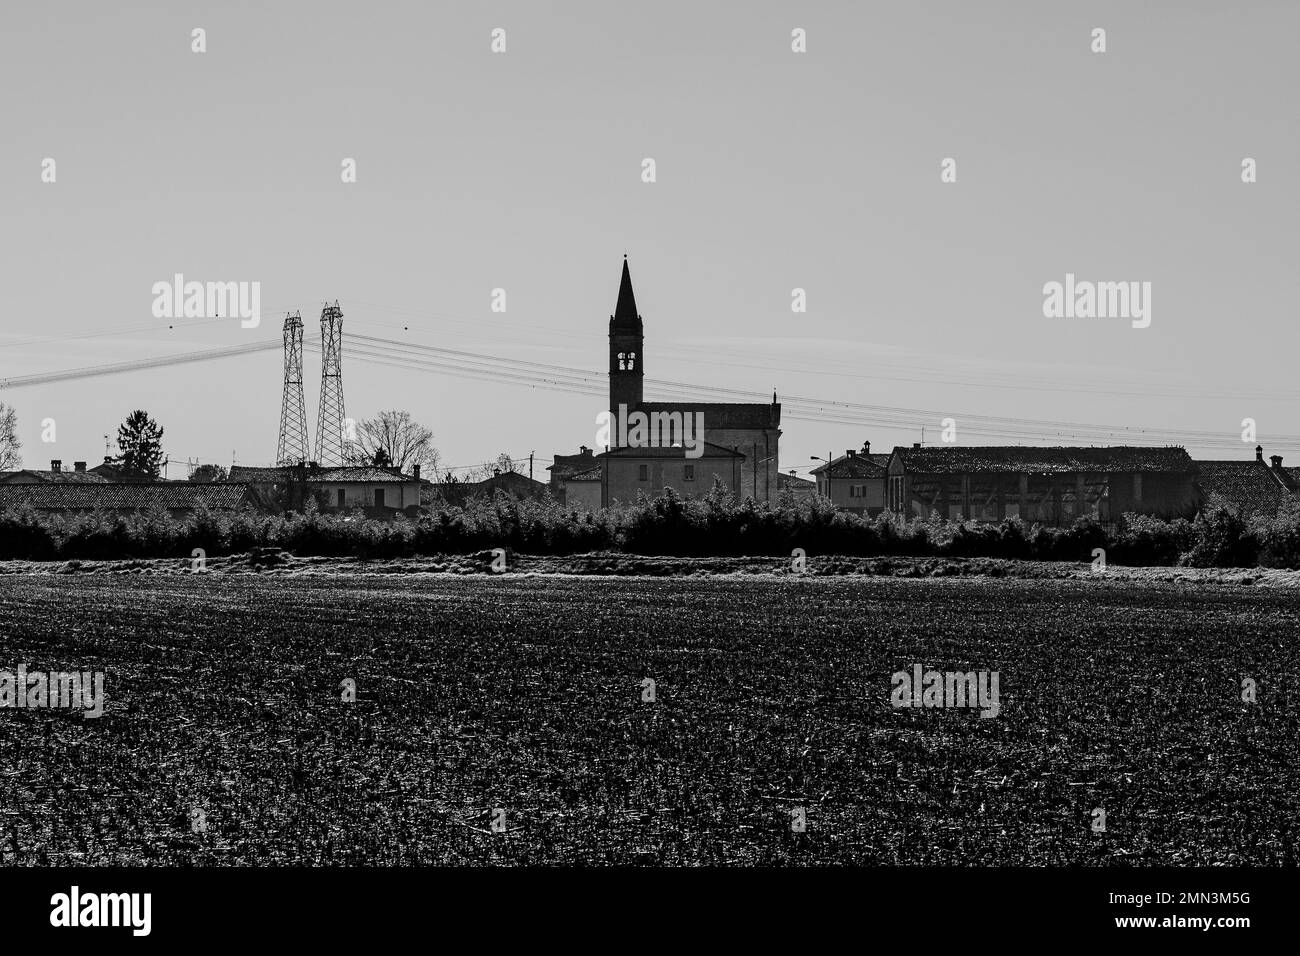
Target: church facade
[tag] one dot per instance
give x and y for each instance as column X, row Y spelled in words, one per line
column 735, row 442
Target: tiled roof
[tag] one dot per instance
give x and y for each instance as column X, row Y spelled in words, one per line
column 62, row 477
column 125, row 496
column 710, row 451
column 792, row 481
column 359, row 473
column 855, row 466
column 722, row 414
column 566, row 464
column 1248, row 487
column 591, row 474
column 253, row 473
column 958, row 459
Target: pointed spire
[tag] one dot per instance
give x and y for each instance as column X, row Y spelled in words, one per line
column 625, row 314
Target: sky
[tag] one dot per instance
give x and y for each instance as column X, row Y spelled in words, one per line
column 775, row 170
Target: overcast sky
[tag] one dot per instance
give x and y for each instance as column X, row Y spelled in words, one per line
column 775, row 170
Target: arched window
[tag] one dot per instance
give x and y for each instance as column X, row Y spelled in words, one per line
column 631, row 361
column 622, row 360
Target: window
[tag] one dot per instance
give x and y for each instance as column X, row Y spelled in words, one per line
column 379, row 497
column 1137, row 486
column 342, row 499
column 857, row 491
column 688, row 473
column 622, row 360
column 631, row 361
column 643, row 472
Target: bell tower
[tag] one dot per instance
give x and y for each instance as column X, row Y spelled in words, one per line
column 626, row 358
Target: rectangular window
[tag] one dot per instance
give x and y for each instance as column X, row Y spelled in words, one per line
column 1137, row 486
column 688, row 472
column 379, row 497
column 643, row 472
column 342, row 499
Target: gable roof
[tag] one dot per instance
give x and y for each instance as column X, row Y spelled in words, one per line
column 367, row 473
column 254, row 473
column 1248, row 487
column 855, row 466
column 959, row 459
column 710, row 450
column 754, row 415
column 61, row 477
column 126, row 495
column 792, row 481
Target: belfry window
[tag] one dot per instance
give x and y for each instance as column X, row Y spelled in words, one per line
column 631, row 361
column 622, row 361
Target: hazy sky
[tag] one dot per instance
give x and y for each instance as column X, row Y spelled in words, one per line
column 775, row 170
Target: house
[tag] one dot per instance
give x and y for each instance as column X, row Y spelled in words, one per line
column 56, row 475
column 510, row 482
column 628, row 472
column 583, row 490
column 566, row 466
column 792, row 487
column 1247, row 488
column 177, row 498
column 112, row 471
column 381, row 492
column 1052, row 486
column 855, row 481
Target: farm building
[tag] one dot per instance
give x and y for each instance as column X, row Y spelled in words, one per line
column 1247, row 488
column 178, row 498
column 855, row 481
column 1047, row 485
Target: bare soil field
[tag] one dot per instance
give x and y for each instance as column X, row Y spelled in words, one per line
column 518, row 698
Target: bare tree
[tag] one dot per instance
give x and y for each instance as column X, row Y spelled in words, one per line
column 503, row 464
column 394, row 439
column 10, row 459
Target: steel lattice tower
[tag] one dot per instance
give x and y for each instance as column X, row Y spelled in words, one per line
column 292, row 447
column 330, row 440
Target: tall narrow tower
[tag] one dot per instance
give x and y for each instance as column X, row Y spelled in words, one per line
column 330, row 440
column 292, row 447
column 626, row 359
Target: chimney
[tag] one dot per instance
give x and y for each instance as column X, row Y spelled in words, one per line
column 81, row 465
column 850, row 453
column 56, row 465
column 866, row 448
column 415, row 472
column 916, row 444
column 1277, row 461
column 496, row 472
column 584, row 451
column 108, row 460
column 1259, row 452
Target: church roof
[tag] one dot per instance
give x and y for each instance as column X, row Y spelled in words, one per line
column 625, row 317
column 757, row 415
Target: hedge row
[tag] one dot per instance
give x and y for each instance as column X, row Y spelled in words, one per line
column 716, row 524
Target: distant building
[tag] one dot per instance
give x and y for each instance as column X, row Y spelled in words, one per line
column 510, row 482
column 1247, row 488
column 583, row 490
column 566, row 466
column 110, row 471
column 627, row 473
column 797, row 488
column 1051, row 486
column 56, row 475
column 855, row 481
column 177, row 498
column 380, row 492
column 749, row 431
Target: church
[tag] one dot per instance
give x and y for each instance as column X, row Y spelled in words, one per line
column 737, row 443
